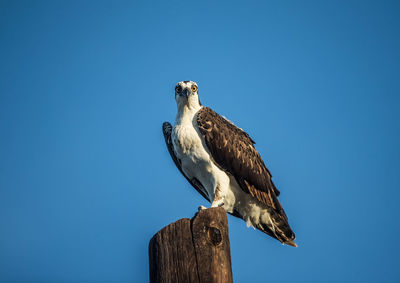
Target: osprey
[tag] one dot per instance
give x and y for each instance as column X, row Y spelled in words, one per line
column 220, row 161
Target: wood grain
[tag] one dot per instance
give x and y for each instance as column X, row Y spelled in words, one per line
column 192, row 250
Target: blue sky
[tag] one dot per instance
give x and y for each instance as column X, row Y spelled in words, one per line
column 86, row 180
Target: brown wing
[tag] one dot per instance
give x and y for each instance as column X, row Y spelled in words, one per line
column 167, row 129
column 233, row 150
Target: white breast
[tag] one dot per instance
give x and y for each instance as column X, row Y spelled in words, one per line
column 190, row 150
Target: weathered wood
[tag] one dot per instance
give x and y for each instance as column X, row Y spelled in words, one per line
column 172, row 254
column 195, row 250
column 211, row 241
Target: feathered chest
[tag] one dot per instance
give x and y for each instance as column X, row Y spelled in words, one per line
column 186, row 140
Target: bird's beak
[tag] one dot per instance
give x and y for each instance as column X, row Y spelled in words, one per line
column 185, row 92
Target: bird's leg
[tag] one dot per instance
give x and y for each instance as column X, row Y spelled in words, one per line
column 218, row 198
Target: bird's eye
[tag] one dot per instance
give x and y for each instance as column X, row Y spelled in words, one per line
column 178, row 88
column 194, row 88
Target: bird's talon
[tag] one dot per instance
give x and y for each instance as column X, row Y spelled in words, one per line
column 201, row 207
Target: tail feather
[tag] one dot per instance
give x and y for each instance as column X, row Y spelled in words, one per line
column 291, row 243
column 279, row 229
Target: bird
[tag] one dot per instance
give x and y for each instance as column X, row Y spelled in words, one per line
column 221, row 162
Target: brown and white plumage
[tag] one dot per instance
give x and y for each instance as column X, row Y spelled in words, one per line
column 222, row 164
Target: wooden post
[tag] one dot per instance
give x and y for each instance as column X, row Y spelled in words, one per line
column 192, row 250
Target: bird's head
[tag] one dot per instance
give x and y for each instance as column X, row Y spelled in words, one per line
column 186, row 94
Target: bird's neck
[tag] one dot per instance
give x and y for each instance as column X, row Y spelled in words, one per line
column 186, row 113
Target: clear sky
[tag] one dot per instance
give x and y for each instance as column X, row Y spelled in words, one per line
column 85, row 177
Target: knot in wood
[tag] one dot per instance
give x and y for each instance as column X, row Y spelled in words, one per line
column 214, row 235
